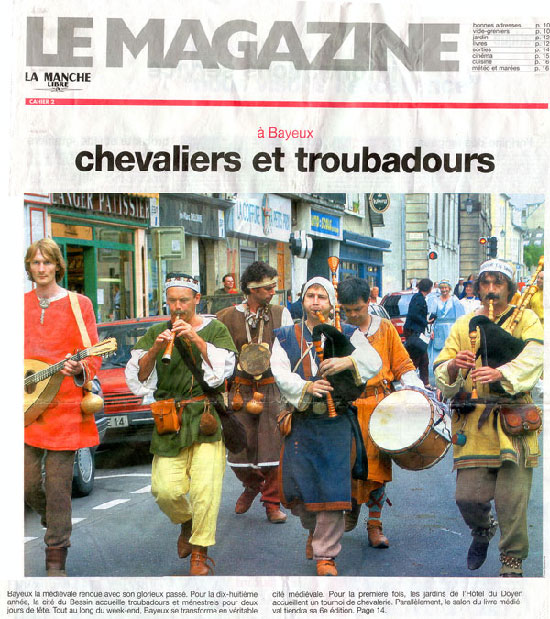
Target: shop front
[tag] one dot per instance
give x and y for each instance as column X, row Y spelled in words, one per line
column 363, row 256
column 258, row 228
column 191, row 239
column 101, row 237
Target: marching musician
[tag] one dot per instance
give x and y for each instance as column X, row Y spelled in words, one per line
column 186, row 460
column 490, row 463
column 251, row 325
column 57, row 323
column 353, row 294
column 316, row 454
column 537, row 301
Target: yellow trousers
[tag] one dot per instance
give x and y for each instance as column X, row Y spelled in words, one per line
column 198, row 471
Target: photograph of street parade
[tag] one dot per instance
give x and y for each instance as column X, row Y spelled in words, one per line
column 283, row 385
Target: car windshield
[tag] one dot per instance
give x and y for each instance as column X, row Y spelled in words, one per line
column 126, row 337
column 397, row 305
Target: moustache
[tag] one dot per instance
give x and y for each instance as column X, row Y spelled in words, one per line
column 492, row 295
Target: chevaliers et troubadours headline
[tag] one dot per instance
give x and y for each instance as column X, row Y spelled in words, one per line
column 181, row 158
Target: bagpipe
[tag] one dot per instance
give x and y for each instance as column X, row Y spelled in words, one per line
column 495, row 344
column 345, row 389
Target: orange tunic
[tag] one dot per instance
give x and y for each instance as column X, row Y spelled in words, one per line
column 62, row 426
column 395, row 362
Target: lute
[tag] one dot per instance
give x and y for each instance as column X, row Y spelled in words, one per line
column 42, row 381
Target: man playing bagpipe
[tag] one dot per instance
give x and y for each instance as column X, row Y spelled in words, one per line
column 491, row 361
column 314, row 475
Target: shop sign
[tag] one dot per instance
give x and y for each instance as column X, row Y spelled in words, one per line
column 197, row 218
column 154, row 213
column 110, row 204
column 261, row 216
column 68, row 231
column 326, row 225
column 379, row 202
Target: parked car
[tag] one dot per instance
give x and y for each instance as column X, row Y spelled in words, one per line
column 129, row 417
column 84, row 460
column 396, row 305
column 377, row 310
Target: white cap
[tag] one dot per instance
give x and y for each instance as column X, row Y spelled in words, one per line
column 324, row 283
column 498, row 266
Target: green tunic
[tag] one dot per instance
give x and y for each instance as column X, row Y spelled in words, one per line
column 175, row 380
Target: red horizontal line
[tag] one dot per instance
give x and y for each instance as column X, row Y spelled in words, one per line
column 285, row 104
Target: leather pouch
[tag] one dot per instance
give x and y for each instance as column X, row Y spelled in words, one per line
column 284, row 422
column 208, row 424
column 166, row 416
column 520, row 419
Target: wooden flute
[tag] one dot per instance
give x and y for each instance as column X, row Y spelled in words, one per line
column 167, row 356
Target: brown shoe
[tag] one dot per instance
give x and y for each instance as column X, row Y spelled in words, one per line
column 184, row 547
column 326, row 567
column 245, row 500
column 274, row 514
column 199, row 562
column 376, row 538
column 309, row 547
column 55, row 560
column 352, row 517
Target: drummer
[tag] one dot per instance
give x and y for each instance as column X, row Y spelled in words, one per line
column 396, row 365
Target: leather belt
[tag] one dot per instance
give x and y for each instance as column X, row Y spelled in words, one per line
column 375, row 390
column 197, row 398
column 239, row 380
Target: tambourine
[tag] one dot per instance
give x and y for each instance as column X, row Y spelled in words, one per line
column 254, row 359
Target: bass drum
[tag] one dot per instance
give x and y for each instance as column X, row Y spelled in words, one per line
column 411, row 428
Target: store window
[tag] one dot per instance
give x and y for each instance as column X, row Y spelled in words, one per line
column 115, row 284
column 100, row 265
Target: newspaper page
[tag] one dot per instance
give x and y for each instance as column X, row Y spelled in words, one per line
column 207, row 135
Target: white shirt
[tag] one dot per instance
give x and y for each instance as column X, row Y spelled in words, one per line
column 293, row 386
column 222, row 364
column 470, row 304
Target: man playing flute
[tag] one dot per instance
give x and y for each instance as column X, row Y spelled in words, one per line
column 186, row 461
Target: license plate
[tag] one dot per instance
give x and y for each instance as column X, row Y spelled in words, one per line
column 118, row 421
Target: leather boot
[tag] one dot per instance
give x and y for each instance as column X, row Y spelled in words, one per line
column 199, row 562
column 352, row 517
column 245, row 500
column 55, row 560
column 274, row 513
column 309, row 547
column 184, row 547
column 376, row 538
column 326, row 567
column 477, row 553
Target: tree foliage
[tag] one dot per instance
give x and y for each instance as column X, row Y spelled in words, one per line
column 531, row 254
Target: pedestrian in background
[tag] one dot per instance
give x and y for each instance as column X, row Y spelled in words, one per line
column 469, row 302
column 415, row 326
column 446, row 309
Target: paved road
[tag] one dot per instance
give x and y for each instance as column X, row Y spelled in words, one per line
column 119, row 531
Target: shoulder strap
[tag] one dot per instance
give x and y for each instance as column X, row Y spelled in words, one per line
column 75, row 305
column 505, row 316
column 305, row 359
column 193, row 368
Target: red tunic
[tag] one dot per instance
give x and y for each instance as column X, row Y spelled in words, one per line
column 62, row 426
